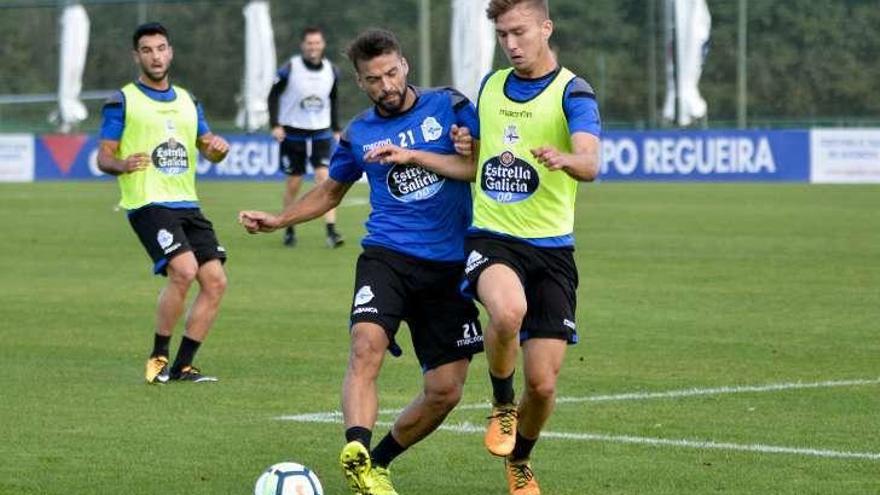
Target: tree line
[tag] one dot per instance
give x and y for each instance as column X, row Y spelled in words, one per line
column 807, row 61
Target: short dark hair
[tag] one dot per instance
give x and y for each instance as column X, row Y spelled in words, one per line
column 499, row 7
column 148, row 29
column 312, row 29
column 371, row 44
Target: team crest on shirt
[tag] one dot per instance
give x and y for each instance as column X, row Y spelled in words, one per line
column 408, row 183
column 170, row 157
column 511, row 135
column 508, row 179
column 431, row 129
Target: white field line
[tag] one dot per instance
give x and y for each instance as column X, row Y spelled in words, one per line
column 336, row 417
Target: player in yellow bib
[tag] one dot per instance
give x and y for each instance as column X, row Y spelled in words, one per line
column 539, row 137
column 151, row 135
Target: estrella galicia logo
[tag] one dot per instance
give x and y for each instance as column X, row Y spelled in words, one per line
column 312, row 104
column 407, row 183
column 170, row 157
column 507, row 179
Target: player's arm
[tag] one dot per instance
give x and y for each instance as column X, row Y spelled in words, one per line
column 274, row 97
column 213, row 147
column 319, row 200
column 453, row 165
column 112, row 127
column 110, row 164
column 584, row 126
column 581, row 164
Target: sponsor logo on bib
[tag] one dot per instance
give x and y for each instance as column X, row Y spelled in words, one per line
column 508, row 179
column 170, row 157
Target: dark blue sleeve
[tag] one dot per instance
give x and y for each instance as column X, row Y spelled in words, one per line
column 465, row 112
column 203, row 124
column 113, row 117
column 581, row 108
column 344, row 167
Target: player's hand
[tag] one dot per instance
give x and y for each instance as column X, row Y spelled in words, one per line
column 135, row 162
column 550, row 157
column 278, row 133
column 389, row 154
column 258, row 221
column 216, row 148
column 462, row 139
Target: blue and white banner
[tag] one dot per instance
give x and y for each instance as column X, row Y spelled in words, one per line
column 820, row 156
column 65, row 157
column 711, row 156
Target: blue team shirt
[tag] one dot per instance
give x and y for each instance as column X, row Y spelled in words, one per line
column 414, row 211
column 113, row 124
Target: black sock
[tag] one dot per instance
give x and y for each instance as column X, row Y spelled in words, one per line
column 502, row 389
column 160, row 345
column 331, row 228
column 360, row 434
column 288, row 230
column 522, row 449
column 386, row 451
column 185, row 354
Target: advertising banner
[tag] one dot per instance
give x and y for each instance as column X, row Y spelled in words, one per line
column 710, row 156
column 75, row 156
column 845, row 156
column 16, row 157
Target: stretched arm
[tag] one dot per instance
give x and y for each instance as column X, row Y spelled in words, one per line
column 109, row 164
column 454, row 166
column 319, row 200
column 581, row 164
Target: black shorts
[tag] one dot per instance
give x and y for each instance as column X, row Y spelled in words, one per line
column 390, row 287
column 548, row 275
column 294, row 154
column 167, row 232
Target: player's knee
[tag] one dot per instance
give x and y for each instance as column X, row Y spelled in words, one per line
column 366, row 351
column 443, row 397
column 216, row 285
column 183, row 274
column 508, row 318
column 541, row 389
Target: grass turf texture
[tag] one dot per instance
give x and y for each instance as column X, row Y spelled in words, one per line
column 681, row 286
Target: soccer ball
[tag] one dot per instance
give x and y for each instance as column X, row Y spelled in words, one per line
column 288, row 478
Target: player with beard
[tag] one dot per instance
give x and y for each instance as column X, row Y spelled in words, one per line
column 410, row 269
column 151, row 134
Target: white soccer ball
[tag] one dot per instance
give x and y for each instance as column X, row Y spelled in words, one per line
column 288, row 478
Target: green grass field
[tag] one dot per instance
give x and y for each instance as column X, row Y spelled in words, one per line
column 682, row 287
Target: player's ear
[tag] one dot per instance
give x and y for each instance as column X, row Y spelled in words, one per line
column 546, row 29
column 405, row 66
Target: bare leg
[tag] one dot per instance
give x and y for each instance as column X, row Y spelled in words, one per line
column 442, row 391
column 503, row 296
column 360, row 398
column 542, row 360
column 212, row 283
column 182, row 270
column 291, row 189
column 321, row 174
